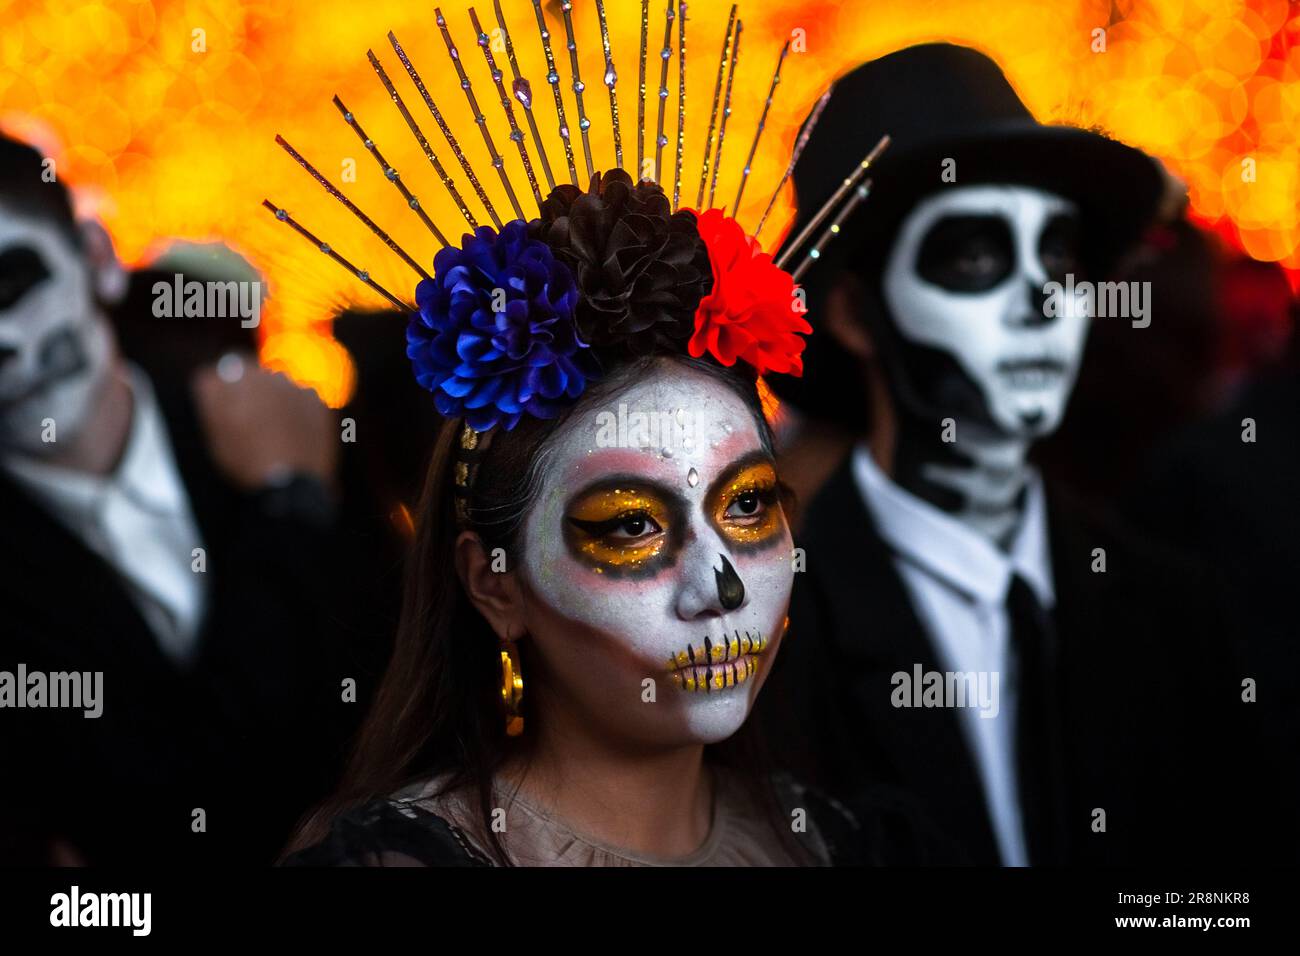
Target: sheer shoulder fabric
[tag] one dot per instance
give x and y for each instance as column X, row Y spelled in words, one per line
column 423, row 825
column 389, row 832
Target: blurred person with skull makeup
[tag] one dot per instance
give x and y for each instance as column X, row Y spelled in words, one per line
column 167, row 532
column 935, row 549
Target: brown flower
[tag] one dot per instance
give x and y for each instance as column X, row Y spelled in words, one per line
column 641, row 269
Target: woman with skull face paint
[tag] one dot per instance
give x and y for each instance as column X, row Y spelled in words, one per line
column 602, row 563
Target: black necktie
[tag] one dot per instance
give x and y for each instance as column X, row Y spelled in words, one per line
column 1039, row 760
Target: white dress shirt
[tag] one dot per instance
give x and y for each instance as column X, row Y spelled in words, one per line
column 138, row 519
column 958, row 581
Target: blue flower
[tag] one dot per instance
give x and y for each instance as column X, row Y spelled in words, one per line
column 496, row 336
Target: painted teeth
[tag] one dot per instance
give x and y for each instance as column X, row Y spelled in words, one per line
column 1032, row 378
column 708, row 679
column 717, row 665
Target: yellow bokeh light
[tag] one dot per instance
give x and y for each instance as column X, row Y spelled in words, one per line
column 164, row 115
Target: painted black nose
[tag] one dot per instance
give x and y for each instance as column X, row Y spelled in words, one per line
column 6, row 353
column 1037, row 309
column 59, row 352
column 731, row 590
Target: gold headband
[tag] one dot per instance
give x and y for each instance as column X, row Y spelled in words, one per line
column 470, row 449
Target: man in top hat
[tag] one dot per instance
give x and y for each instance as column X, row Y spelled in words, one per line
column 1047, row 688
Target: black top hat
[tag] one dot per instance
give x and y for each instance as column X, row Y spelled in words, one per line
column 938, row 102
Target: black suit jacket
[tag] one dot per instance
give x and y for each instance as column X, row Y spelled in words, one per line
column 251, row 734
column 1146, row 706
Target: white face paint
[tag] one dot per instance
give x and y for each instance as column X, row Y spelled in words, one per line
column 626, row 558
column 56, row 349
column 966, row 277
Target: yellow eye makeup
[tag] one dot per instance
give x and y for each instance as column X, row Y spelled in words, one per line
column 622, row 530
column 746, row 507
column 627, row 526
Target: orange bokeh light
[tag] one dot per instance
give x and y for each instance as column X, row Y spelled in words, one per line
column 164, row 115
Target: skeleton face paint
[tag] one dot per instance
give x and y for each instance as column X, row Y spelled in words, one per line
column 669, row 562
column 964, row 285
column 55, row 346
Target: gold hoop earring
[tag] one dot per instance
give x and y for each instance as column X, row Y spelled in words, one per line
column 512, row 688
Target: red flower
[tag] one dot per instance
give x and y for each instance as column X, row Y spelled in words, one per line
column 752, row 312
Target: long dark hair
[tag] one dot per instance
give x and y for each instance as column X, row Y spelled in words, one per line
column 438, row 711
